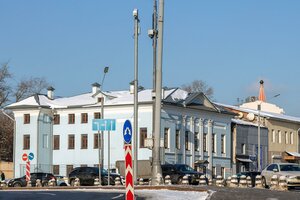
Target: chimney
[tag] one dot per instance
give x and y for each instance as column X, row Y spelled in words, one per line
column 50, row 93
column 131, row 89
column 95, row 88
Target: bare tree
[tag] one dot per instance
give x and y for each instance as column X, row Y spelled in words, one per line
column 6, row 135
column 199, row 86
column 29, row 87
column 5, row 89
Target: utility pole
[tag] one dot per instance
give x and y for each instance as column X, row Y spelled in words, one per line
column 135, row 121
column 156, row 164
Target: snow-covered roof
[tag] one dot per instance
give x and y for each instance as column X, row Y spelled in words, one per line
column 263, row 113
column 90, row 99
column 246, row 123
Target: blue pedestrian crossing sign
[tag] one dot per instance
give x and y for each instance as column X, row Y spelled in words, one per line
column 127, row 132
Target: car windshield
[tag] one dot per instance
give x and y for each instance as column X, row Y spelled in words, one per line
column 290, row 168
column 185, row 168
column 104, row 171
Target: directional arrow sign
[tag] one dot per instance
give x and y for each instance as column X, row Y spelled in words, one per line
column 104, row 125
column 127, row 132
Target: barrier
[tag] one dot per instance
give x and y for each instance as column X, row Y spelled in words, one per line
column 228, row 181
column 141, row 181
column 117, row 181
column 38, row 183
column 243, row 182
column 29, row 184
column 52, row 182
column 202, row 181
column 249, row 182
column 234, row 181
column 96, row 182
column 185, row 180
column 220, row 181
column 258, row 181
column 282, row 183
column 168, row 180
column 3, row 184
column 77, row 182
column 274, row 182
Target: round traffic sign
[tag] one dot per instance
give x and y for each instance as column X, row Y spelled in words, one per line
column 30, row 156
column 127, row 132
column 24, row 157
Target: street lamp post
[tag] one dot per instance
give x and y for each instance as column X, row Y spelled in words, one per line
column 100, row 141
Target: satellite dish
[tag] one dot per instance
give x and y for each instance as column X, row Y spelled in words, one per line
column 250, row 116
column 240, row 115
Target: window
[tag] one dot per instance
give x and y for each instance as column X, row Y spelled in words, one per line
column 286, row 137
column 279, row 136
column 291, row 138
column 204, row 143
column 166, row 138
column 100, row 99
column 97, row 115
column 187, row 146
column 196, row 141
column 273, row 136
column 243, row 148
column 26, row 142
column 84, row 118
column 213, row 143
column 84, row 141
column 56, row 119
column 71, row 118
column 214, row 172
column 143, row 136
column 56, row 169
column 45, row 140
column 223, row 146
column 177, row 138
column 55, row 142
column 71, row 141
column 223, row 172
column 69, row 168
column 96, row 141
column 26, row 118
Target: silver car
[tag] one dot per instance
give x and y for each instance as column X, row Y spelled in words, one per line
column 290, row 170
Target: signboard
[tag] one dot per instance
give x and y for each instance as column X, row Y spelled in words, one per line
column 30, row 156
column 104, row 125
column 127, row 132
column 24, row 157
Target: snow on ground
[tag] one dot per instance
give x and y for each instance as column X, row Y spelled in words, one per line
column 171, row 195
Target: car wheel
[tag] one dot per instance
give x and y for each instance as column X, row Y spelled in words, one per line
column 17, row 184
column 264, row 182
column 63, row 184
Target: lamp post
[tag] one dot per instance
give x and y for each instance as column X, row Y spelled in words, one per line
column 100, row 142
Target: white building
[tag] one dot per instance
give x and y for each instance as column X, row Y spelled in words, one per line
column 59, row 131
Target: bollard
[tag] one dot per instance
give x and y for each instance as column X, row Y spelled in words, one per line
column 282, row 183
column 220, row 181
column 185, row 180
column 202, row 181
column 117, row 181
column 3, row 184
column 141, row 181
column 52, row 182
column 210, row 182
column 77, row 182
column 29, row 184
column 249, row 182
column 96, row 182
column 38, row 183
column 274, row 182
column 228, row 181
column 243, row 181
column 258, row 182
column 168, row 180
column 234, row 181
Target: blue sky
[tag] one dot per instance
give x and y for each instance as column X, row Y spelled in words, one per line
column 230, row 45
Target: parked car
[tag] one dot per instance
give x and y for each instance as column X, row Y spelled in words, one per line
column 178, row 171
column 290, row 170
column 21, row 182
column 252, row 174
column 87, row 176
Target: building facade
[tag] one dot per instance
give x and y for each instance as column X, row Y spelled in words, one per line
column 59, row 131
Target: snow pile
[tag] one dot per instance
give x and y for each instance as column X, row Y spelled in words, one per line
column 171, row 195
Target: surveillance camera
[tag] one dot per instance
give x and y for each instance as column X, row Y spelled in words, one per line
column 151, row 33
column 135, row 12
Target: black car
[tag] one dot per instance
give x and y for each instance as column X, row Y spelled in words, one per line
column 252, row 174
column 178, row 171
column 87, row 176
column 21, row 182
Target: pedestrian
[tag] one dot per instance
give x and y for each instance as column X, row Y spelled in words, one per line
column 2, row 177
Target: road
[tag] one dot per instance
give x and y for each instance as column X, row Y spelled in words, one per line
column 63, row 195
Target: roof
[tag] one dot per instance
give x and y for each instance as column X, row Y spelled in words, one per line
column 246, row 123
column 263, row 113
column 296, row 154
